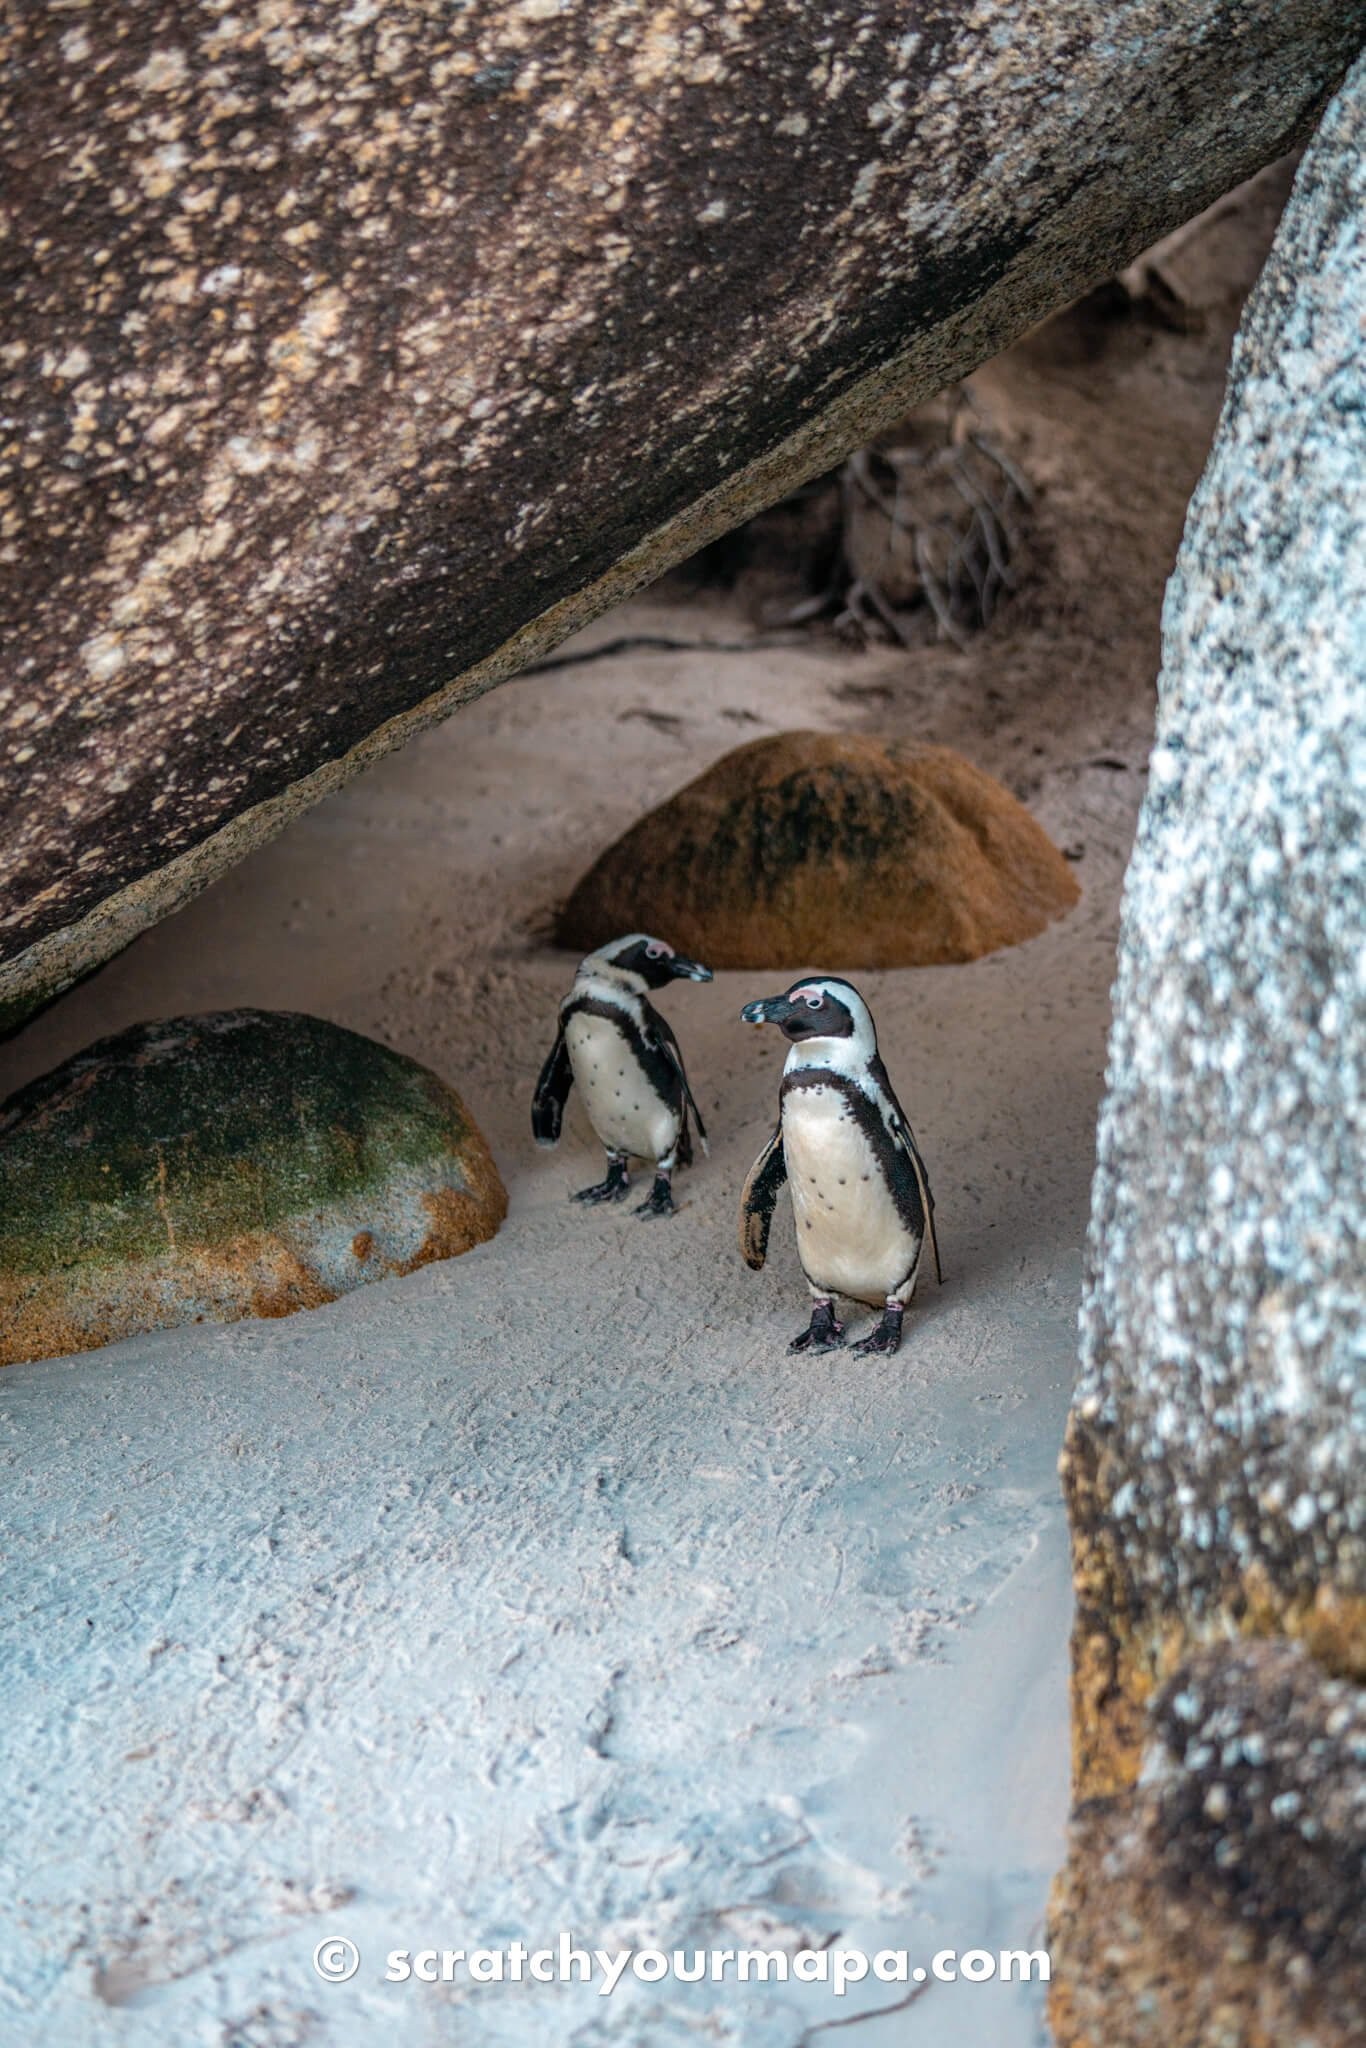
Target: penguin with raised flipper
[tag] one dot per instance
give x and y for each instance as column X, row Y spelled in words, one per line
column 860, row 1194
column 627, row 1062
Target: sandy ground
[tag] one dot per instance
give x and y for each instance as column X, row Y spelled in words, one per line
column 543, row 1590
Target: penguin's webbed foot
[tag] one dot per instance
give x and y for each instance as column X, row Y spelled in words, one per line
column 613, row 1189
column 660, row 1200
column 887, row 1336
column 823, row 1333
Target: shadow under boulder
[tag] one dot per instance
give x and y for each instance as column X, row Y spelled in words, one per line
column 248, row 1163
column 823, row 847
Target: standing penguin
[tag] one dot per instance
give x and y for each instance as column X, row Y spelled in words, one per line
column 860, row 1193
column 626, row 1060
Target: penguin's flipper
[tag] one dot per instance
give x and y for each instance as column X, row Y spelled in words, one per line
column 757, row 1201
column 903, row 1137
column 669, row 1046
column 910, row 1182
column 552, row 1092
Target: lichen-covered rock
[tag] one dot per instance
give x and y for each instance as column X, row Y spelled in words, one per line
column 1222, row 1903
column 245, row 1163
column 1216, row 1447
column 832, row 849
column 353, row 355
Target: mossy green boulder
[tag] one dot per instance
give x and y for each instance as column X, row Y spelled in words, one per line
column 244, row 1163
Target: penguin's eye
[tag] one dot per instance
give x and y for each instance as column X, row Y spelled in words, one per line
column 654, row 951
column 813, row 1002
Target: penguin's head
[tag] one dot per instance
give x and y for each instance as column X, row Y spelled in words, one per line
column 648, row 961
column 821, row 1006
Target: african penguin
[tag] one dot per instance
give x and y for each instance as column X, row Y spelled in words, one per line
column 860, row 1194
column 626, row 1061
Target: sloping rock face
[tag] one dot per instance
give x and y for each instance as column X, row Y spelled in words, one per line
column 824, row 849
column 353, row 355
column 244, row 1163
column 1218, row 1437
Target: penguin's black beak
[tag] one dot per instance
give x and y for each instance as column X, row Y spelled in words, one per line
column 688, row 970
column 768, row 1010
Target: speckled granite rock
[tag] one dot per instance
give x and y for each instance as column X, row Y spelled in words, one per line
column 829, row 849
column 245, row 1163
column 1222, row 1902
column 354, row 354
column 1218, row 1438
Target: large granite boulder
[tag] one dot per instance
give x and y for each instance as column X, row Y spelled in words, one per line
column 353, row 355
column 1217, row 1445
column 245, row 1163
column 830, row 849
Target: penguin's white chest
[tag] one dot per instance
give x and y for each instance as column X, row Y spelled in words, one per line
column 850, row 1237
column 622, row 1106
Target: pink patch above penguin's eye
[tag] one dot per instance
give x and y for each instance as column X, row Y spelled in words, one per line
column 654, row 951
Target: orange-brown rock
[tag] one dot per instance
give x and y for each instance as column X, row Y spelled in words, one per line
column 831, row 849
